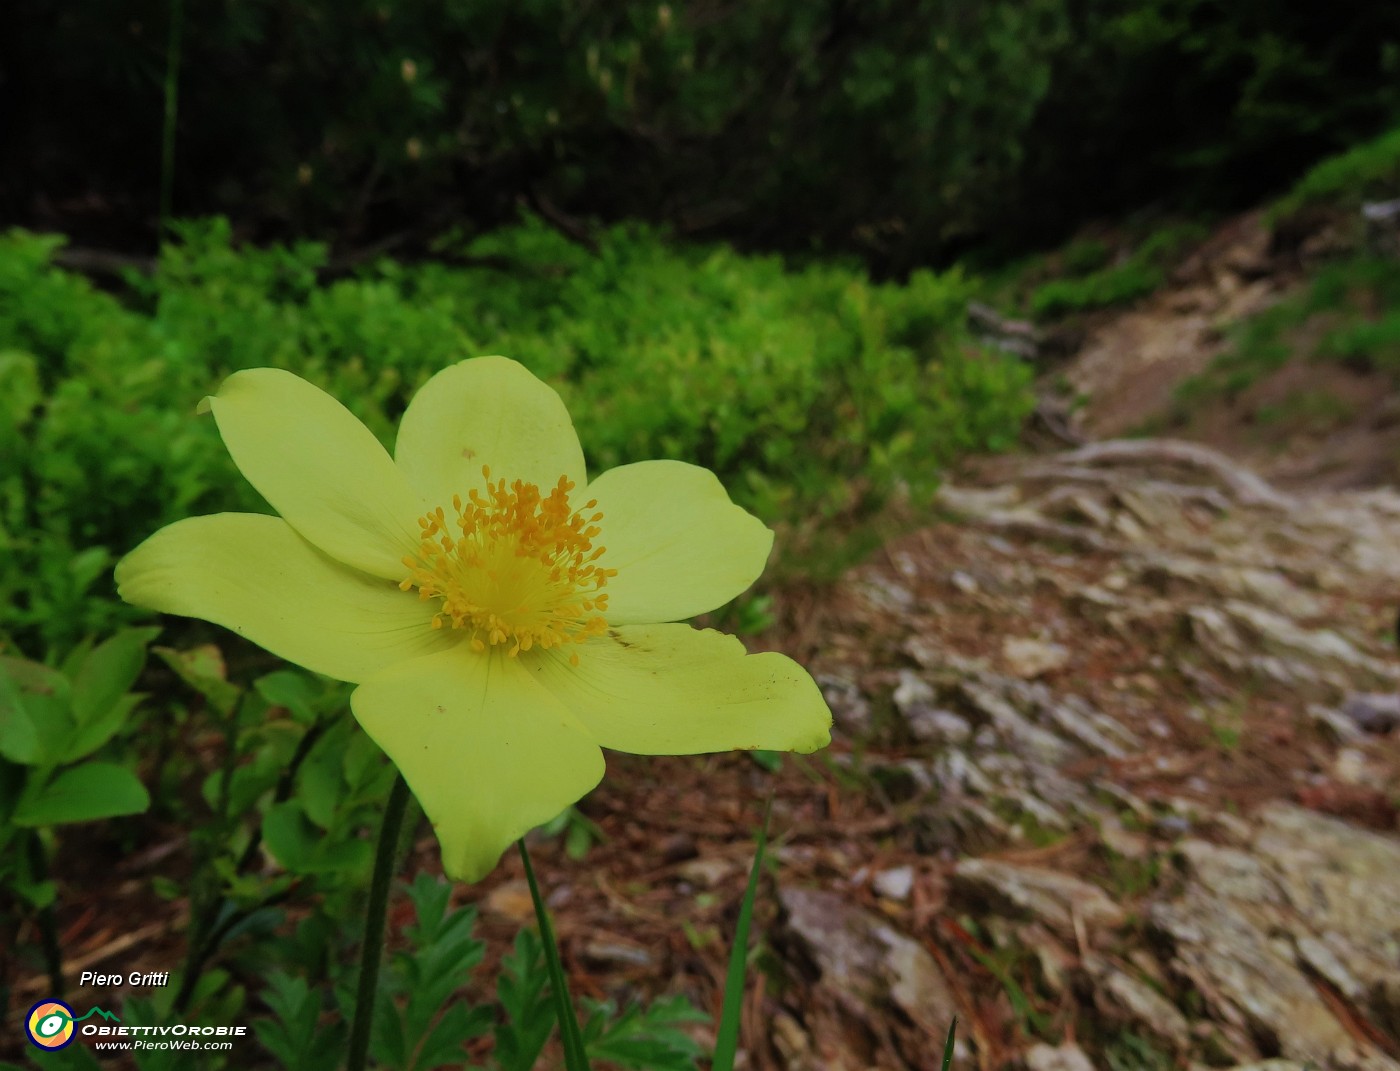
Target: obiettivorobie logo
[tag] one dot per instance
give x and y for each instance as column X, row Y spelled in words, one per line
column 50, row 1024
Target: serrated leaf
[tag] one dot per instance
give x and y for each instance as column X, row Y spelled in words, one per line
column 646, row 1038
column 108, row 672
column 522, row 988
column 85, row 794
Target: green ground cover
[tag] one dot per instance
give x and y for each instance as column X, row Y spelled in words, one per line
column 811, row 392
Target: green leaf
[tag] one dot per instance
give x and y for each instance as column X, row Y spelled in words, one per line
column 646, row 1039
column 522, row 989
column 727, row 1036
column 108, row 672
column 772, row 761
column 86, row 739
column 303, row 849
column 88, row 565
column 289, row 836
column 294, row 1035
column 38, row 894
column 18, row 740
column 34, row 718
column 53, row 725
column 202, row 668
column 949, row 1044
column 321, row 783
column 290, row 689
column 85, row 794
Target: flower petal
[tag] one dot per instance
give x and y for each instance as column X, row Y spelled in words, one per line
column 486, row 411
column 253, row 574
column 320, row 468
column 679, row 545
column 487, row 751
column 675, row 690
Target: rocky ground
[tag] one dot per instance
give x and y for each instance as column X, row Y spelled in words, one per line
column 1140, row 710
column 1133, row 708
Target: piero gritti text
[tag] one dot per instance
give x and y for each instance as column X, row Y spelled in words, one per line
column 135, row 978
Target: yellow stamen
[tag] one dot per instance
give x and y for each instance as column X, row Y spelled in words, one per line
column 522, row 572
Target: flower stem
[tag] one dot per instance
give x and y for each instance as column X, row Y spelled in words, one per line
column 48, row 927
column 385, row 857
column 575, row 1056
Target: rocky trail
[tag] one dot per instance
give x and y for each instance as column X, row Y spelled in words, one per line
column 1133, row 709
column 1141, row 709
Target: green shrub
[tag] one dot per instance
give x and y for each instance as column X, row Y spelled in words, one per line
column 810, row 392
column 1140, row 273
column 1112, row 286
column 1370, row 170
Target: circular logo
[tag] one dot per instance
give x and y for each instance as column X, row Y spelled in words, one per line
column 50, row 1024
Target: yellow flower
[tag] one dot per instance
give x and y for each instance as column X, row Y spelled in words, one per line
column 497, row 610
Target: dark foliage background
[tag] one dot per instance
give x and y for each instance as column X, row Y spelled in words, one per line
column 902, row 130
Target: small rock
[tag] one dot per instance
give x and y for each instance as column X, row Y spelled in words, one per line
column 1120, row 994
column 849, row 706
column 510, row 900
column 1067, row 1057
column 706, row 872
column 1123, row 841
column 885, row 595
column 964, row 582
column 1229, row 872
column 1353, row 766
column 912, row 690
column 861, row 956
column 934, row 725
column 1051, row 897
column 1342, row 728
column 894, row 884
column 904, row 780
column 789, row 1038
column 1028, row 658
column 612, row 953
column 678, row 846
column 1173, row 825
column 1377, row 712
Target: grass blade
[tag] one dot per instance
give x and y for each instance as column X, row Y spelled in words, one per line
column 727, row 1037
column 575, row 1058
column 948, row 1045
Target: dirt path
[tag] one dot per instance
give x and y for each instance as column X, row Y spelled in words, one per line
column 1311, row 424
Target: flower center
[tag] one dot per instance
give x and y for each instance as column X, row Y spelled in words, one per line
column 519, row 569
